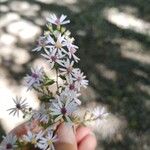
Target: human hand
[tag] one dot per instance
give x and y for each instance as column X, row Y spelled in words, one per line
column 83, row 139
column 80, row 139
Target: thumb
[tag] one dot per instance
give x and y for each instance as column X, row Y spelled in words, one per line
column 66, row 138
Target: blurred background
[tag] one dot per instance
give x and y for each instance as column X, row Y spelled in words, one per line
column 114, row 41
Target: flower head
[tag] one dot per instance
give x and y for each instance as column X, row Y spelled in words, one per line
column 79, row 78
column 32, row 138
column 42, row 114
column 9, row 142
column 41, row 43
column 47, row 142
column 53, row 57
column 63, row 108
column 57, row 44
column 71, row 49
column 68, row 70
column 100, row 112
column 73, row 95
column 35, row 78
column 20, row 105
column 53, row 19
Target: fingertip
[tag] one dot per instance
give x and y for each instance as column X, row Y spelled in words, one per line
column 64, row 129
column 66, row 138
column 82, row 132
column 88, row 143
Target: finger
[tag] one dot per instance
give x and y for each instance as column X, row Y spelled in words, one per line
column 20, row 130
column 82, row 132
column 88, row 143
column 66, row 138
column 23, row 128
column 65, row 146
column 85, row 138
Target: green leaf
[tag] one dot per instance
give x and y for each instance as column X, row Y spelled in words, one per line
column 48, row 81
column 46, row 98
column 62, row 77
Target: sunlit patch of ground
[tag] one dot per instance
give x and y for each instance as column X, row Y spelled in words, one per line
column 106, row 72
column 143, row 58
column 133, row 50
column 59, row 2
column 127, row 21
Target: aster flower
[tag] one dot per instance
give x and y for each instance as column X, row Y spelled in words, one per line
column 71, row 85
column 35, row 79
column 20, row 105
column 68, row 69
column 47, row 142
column 80, row 79
column 100, row 112
column 63, row 108
column 58, row 44
column 42, row 114
column 9, row 142
column 73, row 95
column 53, row 19
column 32, row 138
column 53, row 57
column 45, row 117
column 38, row 113
column 41, row 43
column 71, row 50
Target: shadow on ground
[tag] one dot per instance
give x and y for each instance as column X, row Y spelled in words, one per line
column 117, row 71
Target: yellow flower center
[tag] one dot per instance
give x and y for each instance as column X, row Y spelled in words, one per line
column 49, row 142
column 33, row 141
column 58, row 44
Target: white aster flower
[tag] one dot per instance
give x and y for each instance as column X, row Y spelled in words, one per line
column 35, row 79
column 63, row 108
column 20, row 105
column 53, row 19
column 37, row 113
column 100, row 112
column 47, row 142
column 71, row 50
column 53, row 57
column 58, row 44
column 73, row 95
column 71, row 84
column 80, row 79
column 68, row 69
column 41, row 43
column 42, row 114
column 32, row 138
column 45, row 117
column 9, row 142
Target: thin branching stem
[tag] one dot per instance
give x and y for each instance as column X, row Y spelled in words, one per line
column 57, row 80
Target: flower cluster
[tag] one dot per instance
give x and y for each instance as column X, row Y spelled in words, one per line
column 57, row 47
